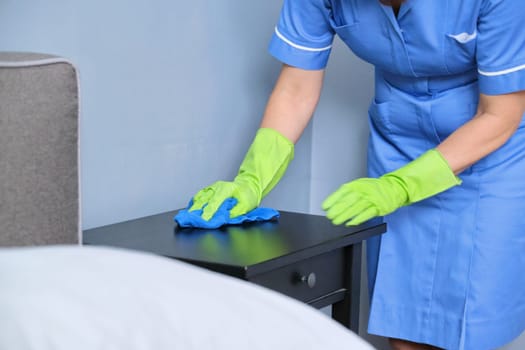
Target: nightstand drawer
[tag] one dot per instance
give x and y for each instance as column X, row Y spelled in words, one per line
column 308, row 279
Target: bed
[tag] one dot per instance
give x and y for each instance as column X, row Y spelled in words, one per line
column 73, row 297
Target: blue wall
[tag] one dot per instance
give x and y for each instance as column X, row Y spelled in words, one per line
column 172, row 93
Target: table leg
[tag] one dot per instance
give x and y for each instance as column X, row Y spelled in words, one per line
column 346, row 311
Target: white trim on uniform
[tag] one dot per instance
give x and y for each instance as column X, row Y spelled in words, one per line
column 502, row 72
column 464, row 37
column 312, row 49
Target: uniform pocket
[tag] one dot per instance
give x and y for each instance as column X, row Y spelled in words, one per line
column 379, row 116
column 460, row 51
column 447, row 119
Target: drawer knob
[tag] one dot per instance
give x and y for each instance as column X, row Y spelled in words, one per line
column 309, row 280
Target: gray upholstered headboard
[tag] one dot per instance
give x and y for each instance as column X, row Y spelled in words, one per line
column 39, row 171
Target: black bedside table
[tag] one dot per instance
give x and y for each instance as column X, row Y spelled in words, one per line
column 301, row 255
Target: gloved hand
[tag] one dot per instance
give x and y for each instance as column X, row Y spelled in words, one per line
column 262, row 168
column 360, row 200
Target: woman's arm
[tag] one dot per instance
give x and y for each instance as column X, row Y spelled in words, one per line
column 288, row 111
column 497, row 119
column 293, row 101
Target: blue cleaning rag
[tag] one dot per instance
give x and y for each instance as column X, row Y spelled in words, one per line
column 193, row 219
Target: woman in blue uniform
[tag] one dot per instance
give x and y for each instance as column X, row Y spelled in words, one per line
column 446, row 159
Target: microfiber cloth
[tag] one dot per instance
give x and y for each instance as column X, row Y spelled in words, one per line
column 193, row 219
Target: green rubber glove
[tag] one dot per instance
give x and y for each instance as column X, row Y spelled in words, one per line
column 262, row 168
column 360, row 200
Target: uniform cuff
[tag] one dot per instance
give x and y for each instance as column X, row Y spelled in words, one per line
column 502, row 81
column 297, row 55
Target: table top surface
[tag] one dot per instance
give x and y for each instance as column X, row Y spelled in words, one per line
column 255, row 246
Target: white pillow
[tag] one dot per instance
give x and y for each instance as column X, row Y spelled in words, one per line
column 71, row 297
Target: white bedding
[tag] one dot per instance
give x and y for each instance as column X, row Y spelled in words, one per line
column 69, row 297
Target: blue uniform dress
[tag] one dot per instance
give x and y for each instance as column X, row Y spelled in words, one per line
column 450, row 271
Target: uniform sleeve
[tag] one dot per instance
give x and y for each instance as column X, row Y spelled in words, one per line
column 303, row 36
column 501, row 46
